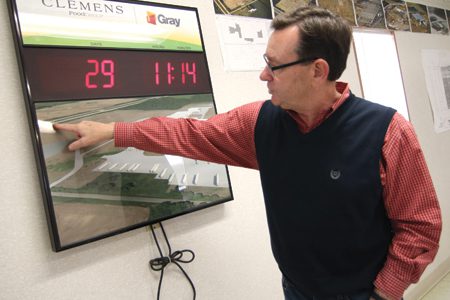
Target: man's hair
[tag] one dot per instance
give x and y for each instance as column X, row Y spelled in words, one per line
column 322, row 35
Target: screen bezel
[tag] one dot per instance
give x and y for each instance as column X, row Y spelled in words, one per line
column 37, row 142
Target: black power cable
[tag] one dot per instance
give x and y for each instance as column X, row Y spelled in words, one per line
column 158, row 264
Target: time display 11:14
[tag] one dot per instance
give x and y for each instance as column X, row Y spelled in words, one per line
column 106, row 69
column 59, row 74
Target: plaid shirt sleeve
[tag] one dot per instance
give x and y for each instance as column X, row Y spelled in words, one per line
column 224, row 138
column 412, row 207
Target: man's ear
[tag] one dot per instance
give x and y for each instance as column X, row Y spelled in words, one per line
column 321, row 69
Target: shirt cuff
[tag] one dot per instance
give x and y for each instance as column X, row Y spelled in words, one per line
column 123, row 134
column 390, row 285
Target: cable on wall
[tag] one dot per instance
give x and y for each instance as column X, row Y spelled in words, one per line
column 160, row 263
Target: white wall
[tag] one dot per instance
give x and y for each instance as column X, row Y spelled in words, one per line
column 233, row 257
column 435, row 145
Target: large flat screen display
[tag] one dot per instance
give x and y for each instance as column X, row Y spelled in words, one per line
column 113, row 61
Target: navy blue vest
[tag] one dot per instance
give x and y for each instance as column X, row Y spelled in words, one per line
column 328, row 225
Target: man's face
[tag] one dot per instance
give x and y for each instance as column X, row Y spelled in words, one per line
column 288, row 86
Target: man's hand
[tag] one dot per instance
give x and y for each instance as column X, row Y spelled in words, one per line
column 88, row 132
column 379, row 295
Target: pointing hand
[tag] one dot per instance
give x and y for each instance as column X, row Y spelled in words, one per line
column 88, row 132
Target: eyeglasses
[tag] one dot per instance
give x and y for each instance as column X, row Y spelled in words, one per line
column 297, row 62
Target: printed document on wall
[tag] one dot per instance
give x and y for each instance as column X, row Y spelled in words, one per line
column 243, row 42
column 436, row 65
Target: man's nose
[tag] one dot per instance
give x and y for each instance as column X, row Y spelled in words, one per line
column 265, row 74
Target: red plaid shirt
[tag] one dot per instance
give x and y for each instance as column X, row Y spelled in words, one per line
column 409, row 195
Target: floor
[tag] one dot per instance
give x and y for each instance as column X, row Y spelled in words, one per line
column 441, row 291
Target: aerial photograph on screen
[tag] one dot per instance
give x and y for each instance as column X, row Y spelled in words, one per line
column 102, row 189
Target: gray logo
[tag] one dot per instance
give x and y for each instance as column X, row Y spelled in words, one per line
column 335, row 174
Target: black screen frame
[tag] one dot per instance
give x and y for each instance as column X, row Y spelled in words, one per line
column 37, row 141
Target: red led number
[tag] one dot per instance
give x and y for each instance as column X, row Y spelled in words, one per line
column 105, row 67
column 157, row 73
column 188, row 70
column 170, row 77
column 109, row 72
column 191, row 71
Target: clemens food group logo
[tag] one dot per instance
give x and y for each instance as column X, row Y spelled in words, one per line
column 154, row 19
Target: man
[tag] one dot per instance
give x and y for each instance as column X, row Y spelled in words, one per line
column 351, row 207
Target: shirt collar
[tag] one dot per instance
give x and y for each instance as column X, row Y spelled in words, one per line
column 344, row 89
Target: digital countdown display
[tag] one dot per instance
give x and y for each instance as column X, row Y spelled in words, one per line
column 113, row 61
column 63, row 74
